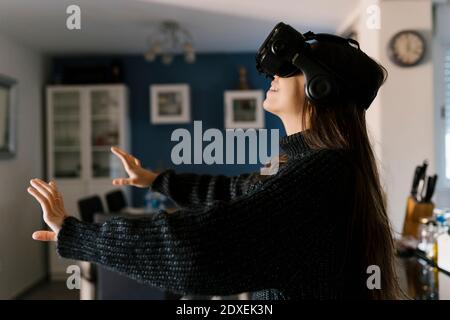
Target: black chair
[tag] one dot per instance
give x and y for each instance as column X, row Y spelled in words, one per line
column 90, row 206
column 115, row 200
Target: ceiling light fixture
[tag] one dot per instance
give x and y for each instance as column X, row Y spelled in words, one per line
column 168, row 39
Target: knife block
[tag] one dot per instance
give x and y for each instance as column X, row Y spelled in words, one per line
column 415, row 212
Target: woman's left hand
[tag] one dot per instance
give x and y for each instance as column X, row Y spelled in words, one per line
column 52, row 205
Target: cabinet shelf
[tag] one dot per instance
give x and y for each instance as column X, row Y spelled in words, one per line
column 66, row 149
column 105, row 117
column 65, row 107
column 101, row 148
column 66, row 118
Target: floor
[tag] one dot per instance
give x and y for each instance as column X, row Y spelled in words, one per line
column 55, row 290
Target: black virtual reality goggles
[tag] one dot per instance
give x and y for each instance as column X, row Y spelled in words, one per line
column 287, row 52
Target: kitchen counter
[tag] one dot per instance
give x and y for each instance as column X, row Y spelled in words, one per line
column 421, row 281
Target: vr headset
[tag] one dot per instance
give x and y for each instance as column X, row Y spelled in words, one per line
column 286, row 52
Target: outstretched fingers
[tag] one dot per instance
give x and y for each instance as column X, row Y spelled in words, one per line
column 43, row 188
column 43, row 201
column 123, row 156
column 56, row 194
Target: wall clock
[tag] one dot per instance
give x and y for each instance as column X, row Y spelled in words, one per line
column 407, row 48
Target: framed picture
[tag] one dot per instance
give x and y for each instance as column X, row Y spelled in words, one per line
column 8, row 88
column 243, row 109
column 170, row 103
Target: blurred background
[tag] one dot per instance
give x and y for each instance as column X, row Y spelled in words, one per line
column 77, row 77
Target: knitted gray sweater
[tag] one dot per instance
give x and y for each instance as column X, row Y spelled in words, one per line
column 284, row 236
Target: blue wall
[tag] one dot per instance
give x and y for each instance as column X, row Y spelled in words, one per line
column 208, row 78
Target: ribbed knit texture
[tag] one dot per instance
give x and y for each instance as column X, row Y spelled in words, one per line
column 281, row 237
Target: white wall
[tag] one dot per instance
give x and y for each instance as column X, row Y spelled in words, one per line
column 402, row 118
column 407, row 105
column 21, row 258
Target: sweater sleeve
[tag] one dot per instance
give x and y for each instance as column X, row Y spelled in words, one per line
column 191, row 191
column 247, row 247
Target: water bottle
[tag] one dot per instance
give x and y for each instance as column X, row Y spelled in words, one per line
column 148, row 201
column 442, row 246
column 154, row 201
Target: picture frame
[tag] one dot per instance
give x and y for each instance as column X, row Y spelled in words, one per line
column 243, row 109
column 170, row 104
column 8, row 109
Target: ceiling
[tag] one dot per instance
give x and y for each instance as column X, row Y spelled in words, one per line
column 123, row 26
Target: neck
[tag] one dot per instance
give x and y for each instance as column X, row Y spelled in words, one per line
column 292, row 124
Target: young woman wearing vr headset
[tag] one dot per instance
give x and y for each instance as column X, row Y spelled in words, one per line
column 310, row 231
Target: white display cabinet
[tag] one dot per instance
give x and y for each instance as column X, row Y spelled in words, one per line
column 83, row 122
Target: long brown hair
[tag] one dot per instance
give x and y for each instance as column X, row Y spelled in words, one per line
column 342, row 125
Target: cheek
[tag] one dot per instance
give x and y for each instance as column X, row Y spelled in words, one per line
column 297, row 90
column 274, row 102
column 295, row 97
column 287, row 100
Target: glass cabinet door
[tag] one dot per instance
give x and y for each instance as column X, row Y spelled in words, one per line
column 66, row 134
column 105, row 130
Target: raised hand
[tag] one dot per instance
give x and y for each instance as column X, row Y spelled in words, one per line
column 138, row 176
column 52, row 205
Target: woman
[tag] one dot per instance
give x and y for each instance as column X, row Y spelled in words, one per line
column 308, row 232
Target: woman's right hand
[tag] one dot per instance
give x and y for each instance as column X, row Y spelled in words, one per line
column 138, row 176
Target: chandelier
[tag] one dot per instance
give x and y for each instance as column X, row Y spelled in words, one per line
column 168, row 39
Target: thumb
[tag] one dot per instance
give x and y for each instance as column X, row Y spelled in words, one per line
column 44, row 236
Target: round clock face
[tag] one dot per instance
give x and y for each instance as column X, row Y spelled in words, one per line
column 407, row 48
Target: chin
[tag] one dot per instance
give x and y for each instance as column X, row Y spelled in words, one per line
column 269, row 107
